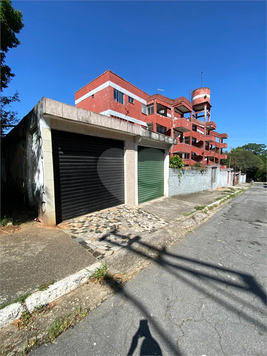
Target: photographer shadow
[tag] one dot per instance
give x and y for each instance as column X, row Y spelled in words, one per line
column 149, row 344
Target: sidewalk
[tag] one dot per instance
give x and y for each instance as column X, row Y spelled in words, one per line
column 34, row 255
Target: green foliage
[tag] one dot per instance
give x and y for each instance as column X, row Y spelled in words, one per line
column 199, row 166
column 250, row 159
column 11, row 24
column 176, row 162
column 46, row 285
column 20, row 299
column 200, row 207
column 8, row 116
column 101, row 274
column 255, row 148
column 4, row 221
column 59, row 326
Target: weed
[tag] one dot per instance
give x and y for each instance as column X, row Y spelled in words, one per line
column 59, row 326
column 24, row 321
column 29, row 345
column 20, row 299
column 190, row 213
column 38, row 309
column 46, row 285
column 5, row 221
column 200, row 207
column 100, row 273
column 64, row 323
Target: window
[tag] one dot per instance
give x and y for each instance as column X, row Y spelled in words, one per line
column 150, row 126
column 118, row 96
column 161, row 129
column 130, row 99
column 144, row 109
column 150, row 109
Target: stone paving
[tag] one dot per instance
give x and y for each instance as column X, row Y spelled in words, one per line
column 105, row 231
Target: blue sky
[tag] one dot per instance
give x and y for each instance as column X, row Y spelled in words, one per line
column 152, row 44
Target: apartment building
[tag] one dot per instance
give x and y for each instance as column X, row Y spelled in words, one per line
column 189, row 122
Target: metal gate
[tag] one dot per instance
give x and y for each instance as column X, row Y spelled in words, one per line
column 88, row 173
column 150, row 174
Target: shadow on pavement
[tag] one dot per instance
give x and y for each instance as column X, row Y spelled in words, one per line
column 149, row 344
column 185, row 267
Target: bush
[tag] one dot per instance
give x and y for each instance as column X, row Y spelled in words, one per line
column 200, row 166
column 176, row 162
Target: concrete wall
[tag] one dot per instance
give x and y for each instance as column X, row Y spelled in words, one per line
column 243, row 178
column 22, row 163
column 188, row 181
column 193, row 181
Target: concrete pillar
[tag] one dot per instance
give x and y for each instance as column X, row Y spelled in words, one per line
column 131, row 173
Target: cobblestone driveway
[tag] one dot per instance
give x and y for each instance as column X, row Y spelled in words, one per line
column 102, row 231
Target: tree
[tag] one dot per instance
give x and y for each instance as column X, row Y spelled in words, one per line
column 11, row 24
column 244, row 159
column 256, row 148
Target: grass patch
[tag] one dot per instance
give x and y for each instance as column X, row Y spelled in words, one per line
column 190, row 213
column 59, row 326
column 44, row 286
column 20, row 299
column 200, row 207
column 62, row 324
column 102, row 275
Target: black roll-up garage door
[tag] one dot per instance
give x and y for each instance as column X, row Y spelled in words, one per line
column 88, row 173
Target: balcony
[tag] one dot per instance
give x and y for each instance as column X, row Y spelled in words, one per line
column 182, row 125
column 223, row 156
column 195, row 134
column 210, row 138
column 211, row 125
column 220, row 145
column 182, row 148
column 211, row 154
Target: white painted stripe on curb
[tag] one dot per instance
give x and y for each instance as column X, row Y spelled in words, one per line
column 60, row 288
column 13, row 311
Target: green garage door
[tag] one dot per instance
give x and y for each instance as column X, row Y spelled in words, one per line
column 150, row 174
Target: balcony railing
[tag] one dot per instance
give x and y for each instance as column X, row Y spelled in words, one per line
column 210, row 138
column 182, row 148
column 220, row 145
column 182, row 125
column 211, row 154
column 223, row 156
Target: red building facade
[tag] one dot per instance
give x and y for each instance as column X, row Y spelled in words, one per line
column 189, row 122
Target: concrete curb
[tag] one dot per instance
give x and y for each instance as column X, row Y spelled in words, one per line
column 40, row 298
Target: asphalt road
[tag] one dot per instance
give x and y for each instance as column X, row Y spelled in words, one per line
column 205, row 296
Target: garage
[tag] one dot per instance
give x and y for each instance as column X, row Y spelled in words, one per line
column 88, row 173
column 150, row 173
